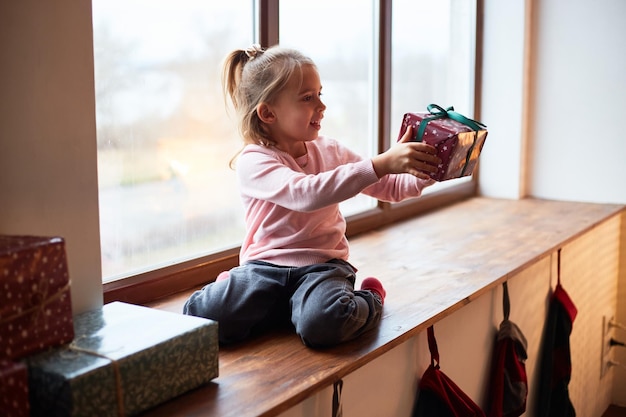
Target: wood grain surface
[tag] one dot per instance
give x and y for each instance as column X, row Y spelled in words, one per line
column 431, row 266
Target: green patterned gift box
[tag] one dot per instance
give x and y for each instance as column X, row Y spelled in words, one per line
column 125, row 359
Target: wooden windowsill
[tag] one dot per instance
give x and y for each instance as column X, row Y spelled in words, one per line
column 431, row 266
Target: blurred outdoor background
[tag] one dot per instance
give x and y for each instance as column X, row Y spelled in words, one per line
column 165, row 137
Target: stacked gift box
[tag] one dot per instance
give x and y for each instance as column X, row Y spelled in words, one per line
column 118, row 360
column 35, row 310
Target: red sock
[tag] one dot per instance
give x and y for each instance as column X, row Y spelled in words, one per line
column 222, row 276
column 374, row 285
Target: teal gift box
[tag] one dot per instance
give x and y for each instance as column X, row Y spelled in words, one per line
column 124, row 359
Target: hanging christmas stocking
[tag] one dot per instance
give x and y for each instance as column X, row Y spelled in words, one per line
column 438, row 395
column 509, row 383
column 556, row 363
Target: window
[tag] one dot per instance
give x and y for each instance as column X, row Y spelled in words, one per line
column 433, row 60
column 170, row 213
column 164, row 137
column 347, row 70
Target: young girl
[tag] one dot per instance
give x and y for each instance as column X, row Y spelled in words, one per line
column 294, row 257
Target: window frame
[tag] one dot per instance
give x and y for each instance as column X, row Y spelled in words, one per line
column 154, row 284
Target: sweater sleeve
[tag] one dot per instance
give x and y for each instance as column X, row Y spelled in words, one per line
column 391, row 188
column 397, row 187
column 270, row 175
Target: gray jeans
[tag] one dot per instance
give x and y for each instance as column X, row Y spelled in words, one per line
column 320, row 300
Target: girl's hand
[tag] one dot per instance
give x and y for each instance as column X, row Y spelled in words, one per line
column 415, row 158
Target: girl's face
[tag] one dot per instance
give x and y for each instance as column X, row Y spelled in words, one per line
column 296, row 113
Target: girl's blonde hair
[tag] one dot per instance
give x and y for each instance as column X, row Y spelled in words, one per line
column 253, row 76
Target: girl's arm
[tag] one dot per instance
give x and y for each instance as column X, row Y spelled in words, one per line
column 415, row 158
column 267, row 176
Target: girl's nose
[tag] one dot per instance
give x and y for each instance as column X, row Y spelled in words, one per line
column 321, row 105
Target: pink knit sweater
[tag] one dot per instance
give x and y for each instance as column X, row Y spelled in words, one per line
column 292, row 206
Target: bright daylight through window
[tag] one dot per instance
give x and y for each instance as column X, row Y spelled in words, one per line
column 347, row 70
column 165, row 139
column 433, row 59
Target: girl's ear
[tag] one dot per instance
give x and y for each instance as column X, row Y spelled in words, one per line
column 265, row 113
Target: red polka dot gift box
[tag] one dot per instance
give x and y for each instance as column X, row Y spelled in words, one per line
column 13, row 389
column 35, row 303
column 458, row 139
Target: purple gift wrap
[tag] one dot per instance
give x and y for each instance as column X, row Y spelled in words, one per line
column 458, row 140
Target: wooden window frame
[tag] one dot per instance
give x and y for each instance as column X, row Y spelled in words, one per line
column 155, row 284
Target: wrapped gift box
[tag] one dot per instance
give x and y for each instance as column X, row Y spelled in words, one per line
column 124, row 360
column 13, row 389
column 35, row 302
column 458, row 140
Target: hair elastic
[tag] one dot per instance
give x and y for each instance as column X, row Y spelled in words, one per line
column 253, row 51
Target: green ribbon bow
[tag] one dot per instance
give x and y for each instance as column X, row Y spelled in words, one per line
column 441, row 113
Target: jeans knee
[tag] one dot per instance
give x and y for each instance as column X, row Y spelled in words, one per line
column 324, row 329
column 313, row 336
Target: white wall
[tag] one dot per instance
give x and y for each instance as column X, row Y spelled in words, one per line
column 48, row 176
column 502, row 98
column 580, row 101
column 576, row 105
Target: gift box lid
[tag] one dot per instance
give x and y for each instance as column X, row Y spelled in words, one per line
column 10, row 244
column 120, row 329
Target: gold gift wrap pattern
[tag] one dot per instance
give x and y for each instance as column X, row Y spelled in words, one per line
column 125, row 359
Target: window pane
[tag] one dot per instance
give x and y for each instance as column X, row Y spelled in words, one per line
column 346, row 65
column 433, row 52
column 164, row 137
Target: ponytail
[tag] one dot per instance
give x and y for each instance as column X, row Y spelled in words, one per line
column 254, row 75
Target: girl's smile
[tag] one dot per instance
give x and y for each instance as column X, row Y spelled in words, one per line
column 316, row 124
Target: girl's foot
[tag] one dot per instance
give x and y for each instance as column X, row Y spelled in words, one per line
column 376, row 287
